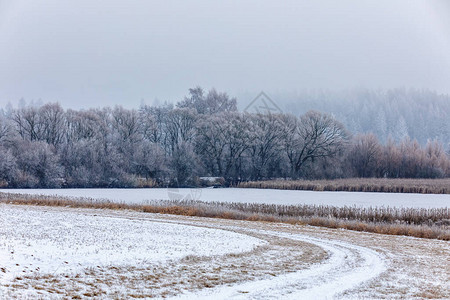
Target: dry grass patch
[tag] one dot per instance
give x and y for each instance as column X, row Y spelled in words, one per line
column 384, row 185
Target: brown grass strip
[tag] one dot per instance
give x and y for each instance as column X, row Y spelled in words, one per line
column 422, row 223
column 378, row 185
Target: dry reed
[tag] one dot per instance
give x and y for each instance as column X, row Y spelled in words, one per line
column 384, row 185
column 431, row 223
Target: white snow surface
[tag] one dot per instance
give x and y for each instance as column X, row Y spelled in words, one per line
column 54, row 242
column 268, row 196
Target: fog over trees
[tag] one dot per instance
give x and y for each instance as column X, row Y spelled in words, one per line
column 395, row 113
column 205, row 135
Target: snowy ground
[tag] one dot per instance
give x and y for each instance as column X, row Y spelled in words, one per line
column 253, row 195
column 54, row 251
column 47, row 241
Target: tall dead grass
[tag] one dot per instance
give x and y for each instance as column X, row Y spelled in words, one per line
column 384, row 185
column 431, row 223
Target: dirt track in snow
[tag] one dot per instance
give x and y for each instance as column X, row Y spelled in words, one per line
column 293, row 262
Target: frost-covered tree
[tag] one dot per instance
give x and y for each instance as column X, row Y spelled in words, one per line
column 364, row 155
column 28, row 123
column 184, row 164
column 221, row 142
column 211, row 103
column 179, row 127
column 266, row 131
column 150, row 161
column 38, row 164
column 314, row 136
column 8, row 168
column 52, row 119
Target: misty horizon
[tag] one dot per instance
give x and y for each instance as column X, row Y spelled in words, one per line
column 99, row 54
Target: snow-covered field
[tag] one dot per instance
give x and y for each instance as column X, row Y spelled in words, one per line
column 90, row 240
column 253, row 195
column 66, row 252
column 47, row 241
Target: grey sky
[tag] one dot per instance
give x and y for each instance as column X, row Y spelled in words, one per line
column 88, row 53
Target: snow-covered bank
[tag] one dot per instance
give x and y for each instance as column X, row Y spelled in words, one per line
column 253, row 196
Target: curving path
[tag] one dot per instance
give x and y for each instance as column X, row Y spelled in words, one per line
column 346, row 267
column 267, row 260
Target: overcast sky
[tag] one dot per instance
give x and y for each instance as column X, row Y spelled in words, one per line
column 88, row 53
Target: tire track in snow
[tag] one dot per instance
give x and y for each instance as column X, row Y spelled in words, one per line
column 347, row 267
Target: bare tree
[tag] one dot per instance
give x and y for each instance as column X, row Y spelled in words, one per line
column 52, row 119
column 81, row 125
column 219, row 102
column 267, row 132
column 38, row 162
column 126, row 124
column 364, row 155
column 6, row 130
column 126, row 133
column 317, row 135
column 150, row 161
column 180, row 127
column 391, row 160
column 195, row 100
column 184, row 164
column 8, row 167
column 412, row 158
column 28, row 123
column 213, row 103
column 221, row 141
column 153, row 123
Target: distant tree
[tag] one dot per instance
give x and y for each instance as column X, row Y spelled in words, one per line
column 80, row 163
column 39, row 164
column 437, row 163
column 195, row 100
column 126, row 124
column 266, row 131
column 125, row 134
column 8, row 168
column 364, row 155
column 219, row 102
column 184, row 164
column 150, row 161
column 391, row 160
column 221, row 142
column 6, row 130
column 315, row 136
column 153, row 121
column 401, row 129
column 52, row 119
column 28, row 123
column 213, row 103
column 412, row 158
column 179, row 127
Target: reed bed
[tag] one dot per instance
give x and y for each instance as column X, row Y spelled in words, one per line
column 433, row 223
column 383, row 185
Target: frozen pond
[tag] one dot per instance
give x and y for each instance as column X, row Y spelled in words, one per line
column 253, row 196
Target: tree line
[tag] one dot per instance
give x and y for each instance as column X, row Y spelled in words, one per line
column 202, row 135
